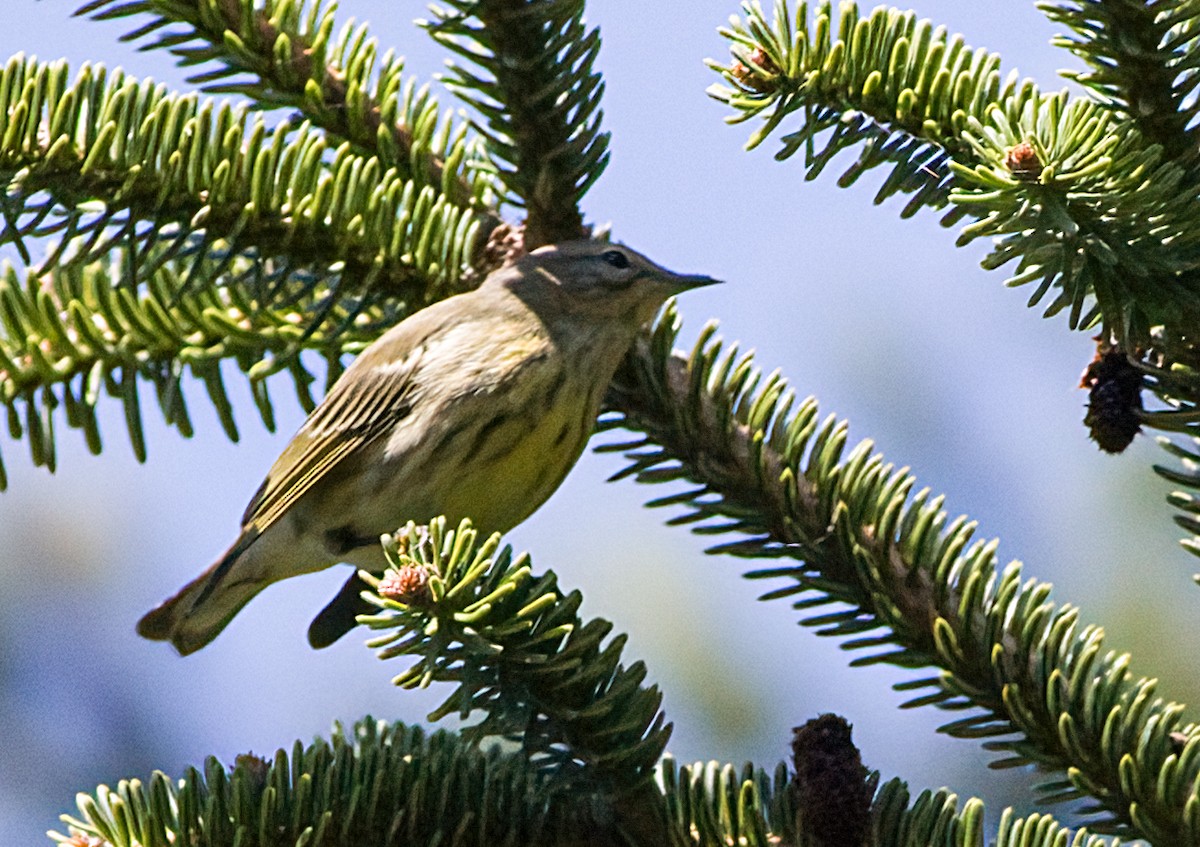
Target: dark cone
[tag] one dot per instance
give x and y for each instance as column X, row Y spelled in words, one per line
column 1114, row 399
column 830, row 786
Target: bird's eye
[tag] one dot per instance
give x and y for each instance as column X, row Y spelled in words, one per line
column 616, row 258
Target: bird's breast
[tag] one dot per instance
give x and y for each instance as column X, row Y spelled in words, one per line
column 491, row 455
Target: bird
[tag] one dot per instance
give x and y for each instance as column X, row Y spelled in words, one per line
column 474, row 407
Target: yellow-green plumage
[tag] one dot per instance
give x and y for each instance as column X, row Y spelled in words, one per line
column 477, row 407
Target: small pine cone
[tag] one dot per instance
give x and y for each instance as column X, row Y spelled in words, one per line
column 506, row 243
column 830, row 787
column 81, row 840
column 1114, row 398
column 758, row 75
column 255, row 767
column 760, row 59
column 409, row 585
column 1178, row 741
column 1022, row 160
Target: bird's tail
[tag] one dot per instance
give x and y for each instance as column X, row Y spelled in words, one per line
column 205, row 606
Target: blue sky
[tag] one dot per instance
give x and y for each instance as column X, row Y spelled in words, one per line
column 884, row 320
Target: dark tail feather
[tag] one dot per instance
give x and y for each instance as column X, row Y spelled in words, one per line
column 159, row 622
column 205, row 606
column 336, row 619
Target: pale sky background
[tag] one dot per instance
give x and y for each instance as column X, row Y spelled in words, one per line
column 882, row 319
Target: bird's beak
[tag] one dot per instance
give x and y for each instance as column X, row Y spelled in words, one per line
column 680, row 283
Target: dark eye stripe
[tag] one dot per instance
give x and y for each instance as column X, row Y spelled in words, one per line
column 616, row 258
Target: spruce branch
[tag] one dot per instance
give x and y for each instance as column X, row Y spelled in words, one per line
column 1096, row 219
column 110, row 168
column 909, row 586
column 1143, row 63
column 75, row 333
column 540, row 98
column 104, row 162
column 519, row 652
column 382, row 785
column 1094, row 207
column 1171, row 369
column 889, row 82
column 290, row 53
column 1080, row 232
column 163, row 215
column 720, row 805
column 390, row 785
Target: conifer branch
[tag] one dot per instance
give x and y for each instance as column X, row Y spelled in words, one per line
column 411, row 786
column 1142, row 58
column 408, row 788
column 160, row 212
column 74, row 334
column 914, row 590
column 289, row 50
column 889, row 82
column 1096, row 220
column 540, row 98
column 519, row 652
column 104, row 162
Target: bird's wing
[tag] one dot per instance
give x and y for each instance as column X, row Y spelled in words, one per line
column 347, row 420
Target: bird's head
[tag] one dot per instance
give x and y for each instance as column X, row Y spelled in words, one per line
column 595, row 282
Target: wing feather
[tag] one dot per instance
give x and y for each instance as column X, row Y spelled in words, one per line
column 346, row 421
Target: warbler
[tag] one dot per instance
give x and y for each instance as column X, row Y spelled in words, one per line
column 475, row 407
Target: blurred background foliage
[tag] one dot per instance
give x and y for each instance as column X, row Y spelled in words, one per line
column 878, row 317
